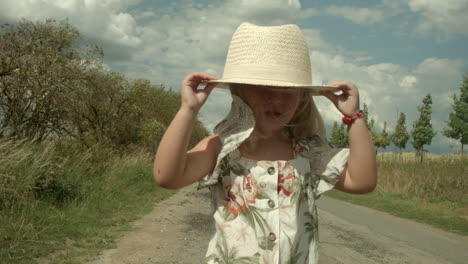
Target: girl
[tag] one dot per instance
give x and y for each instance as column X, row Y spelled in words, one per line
column 267, row 162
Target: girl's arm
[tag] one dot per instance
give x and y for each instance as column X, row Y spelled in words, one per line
column 174, row 166
column 360, row 174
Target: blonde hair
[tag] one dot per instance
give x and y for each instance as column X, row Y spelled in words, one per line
column 306, row 121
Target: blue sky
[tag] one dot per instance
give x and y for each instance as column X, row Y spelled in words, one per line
column 395, row 51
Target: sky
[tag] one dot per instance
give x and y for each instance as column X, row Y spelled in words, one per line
column 395, row 51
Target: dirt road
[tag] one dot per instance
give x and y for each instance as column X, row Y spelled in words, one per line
column 179, row 228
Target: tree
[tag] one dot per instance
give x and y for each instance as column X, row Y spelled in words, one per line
column 384, row 137
column 374, row 135
column 370, row 125
column 365, row 115
column 338, row 136
column 335, row 134
column 101, row 111
column 38, row 69
column 458, row 119
column 400, row 135
column 423, row 132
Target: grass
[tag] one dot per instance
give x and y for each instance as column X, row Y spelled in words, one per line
column 58, row 208
column 434, row 192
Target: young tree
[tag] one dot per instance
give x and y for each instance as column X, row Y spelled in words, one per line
column 400, row 135
column 370, row 126
column 458, row 119
column 423, row 132
column 344, row 137
column 338, row 136
column 374, row 135
column 335, row 138
column 365, row 115
column 384, row 137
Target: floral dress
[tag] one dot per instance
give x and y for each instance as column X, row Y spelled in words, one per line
column 265, row 211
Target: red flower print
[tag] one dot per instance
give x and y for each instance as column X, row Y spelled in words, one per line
column 285, row 178
column 236, row 203
column 250, row 189
column 299, row 148
column 237, row 198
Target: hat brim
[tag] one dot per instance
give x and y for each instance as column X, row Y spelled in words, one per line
column 224, row 83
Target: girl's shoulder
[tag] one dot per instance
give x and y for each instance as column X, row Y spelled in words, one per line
column 315, row 147
column 312, row 145
column 214, row 143
column 210, row 145
column 322, row 155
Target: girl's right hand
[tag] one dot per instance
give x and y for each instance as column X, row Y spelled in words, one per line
column 193, row 98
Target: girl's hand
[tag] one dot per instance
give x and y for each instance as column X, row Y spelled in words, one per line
column 347, row 102
column 193, row 98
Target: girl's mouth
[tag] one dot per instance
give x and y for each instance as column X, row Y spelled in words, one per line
column 273, row 114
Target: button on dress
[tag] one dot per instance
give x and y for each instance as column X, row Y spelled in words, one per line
column 264, row 211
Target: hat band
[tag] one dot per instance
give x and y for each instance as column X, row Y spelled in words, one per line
column 249, row 71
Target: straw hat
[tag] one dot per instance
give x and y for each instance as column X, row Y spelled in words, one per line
column 270, row 56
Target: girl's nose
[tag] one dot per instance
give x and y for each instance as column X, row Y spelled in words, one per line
column 273, row 96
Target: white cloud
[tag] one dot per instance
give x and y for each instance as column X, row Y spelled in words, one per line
column 408, row 81
column 104, row 22
column 438, row 75
column 435, row 65
column 356, row 15
column 262, row 11
column 144, row 14
column 259, row 4
column 308, row 12
column 364, row 58
column 316, row 42
column 448, row 17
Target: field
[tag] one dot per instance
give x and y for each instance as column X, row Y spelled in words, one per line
column 434, row 192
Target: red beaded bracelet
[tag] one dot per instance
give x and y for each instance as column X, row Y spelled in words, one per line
column 349, row 120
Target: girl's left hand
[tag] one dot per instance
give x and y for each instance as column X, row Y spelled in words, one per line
column 348, row 101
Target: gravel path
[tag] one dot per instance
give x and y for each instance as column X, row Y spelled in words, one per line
column 179, row 228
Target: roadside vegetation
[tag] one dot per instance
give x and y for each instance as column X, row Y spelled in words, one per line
column 62, row 204
column 434, row 192
column 76, row 145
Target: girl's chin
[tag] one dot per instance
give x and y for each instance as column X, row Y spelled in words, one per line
column 272, row 120
column 272, row 124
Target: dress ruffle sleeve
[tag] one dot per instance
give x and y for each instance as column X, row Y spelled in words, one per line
column 326, row 163
column 232, row 131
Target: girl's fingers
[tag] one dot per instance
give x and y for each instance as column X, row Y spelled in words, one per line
column 209, row 87
column 193, row 97
column 343, row 87
column 193, row 80
column 205, row 76
column 199, row 77
column 348, row 88
column 331, row 96
column 348, row 101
